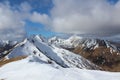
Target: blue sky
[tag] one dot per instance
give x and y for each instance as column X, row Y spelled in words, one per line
column 38, row 28
column 41, row 6
column 112, row 1
column 51, row 17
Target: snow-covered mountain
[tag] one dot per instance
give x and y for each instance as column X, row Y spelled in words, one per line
column 90, row 52
column 5, row 47
column 99, row 51
column 55, row 59
column 71, row 42
column 42, row 50
column 75, row 41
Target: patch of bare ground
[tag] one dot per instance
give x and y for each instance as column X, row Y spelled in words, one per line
column 102, row 57
column 5, row 61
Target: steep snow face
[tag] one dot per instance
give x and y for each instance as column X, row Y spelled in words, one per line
column 73, row 60
column 26, row 48
column 27, row 70
column 90, row 43
column 40, row 37
column 21, row 49
column 71, row 42
column 47, row 50
column 56, row 40
column 61, row 56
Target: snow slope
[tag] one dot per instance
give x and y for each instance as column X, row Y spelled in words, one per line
column 26, row 48
column 27, row 70
column 61, row 56
column 38, row 47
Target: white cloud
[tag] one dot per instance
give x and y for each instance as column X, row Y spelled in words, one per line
column 85, row 16
column 82, row 16
column 12, row 21
column 74, row 16
column 40, row 18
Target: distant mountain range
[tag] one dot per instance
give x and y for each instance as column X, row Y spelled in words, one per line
column 73, row 52
column 102, row 52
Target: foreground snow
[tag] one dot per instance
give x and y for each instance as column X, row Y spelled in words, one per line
column 31, row 69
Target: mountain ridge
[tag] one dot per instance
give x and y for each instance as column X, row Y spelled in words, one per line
column 104, row 53
column 74, row 51
column 38, row 46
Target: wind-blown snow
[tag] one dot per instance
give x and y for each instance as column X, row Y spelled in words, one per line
column 27, row 70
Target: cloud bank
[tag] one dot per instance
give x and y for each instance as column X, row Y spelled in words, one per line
column 12, row 21
column 84, row 17
column 14, row 17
